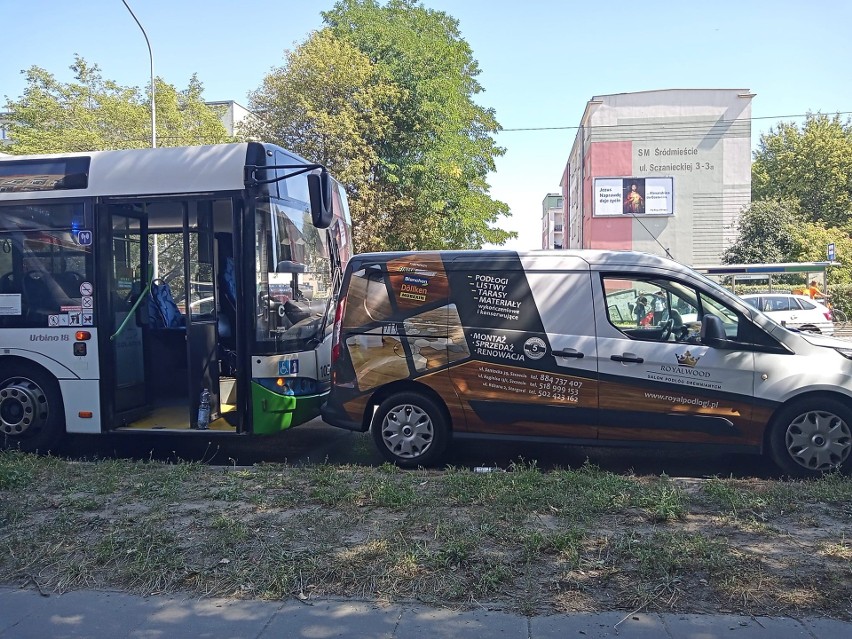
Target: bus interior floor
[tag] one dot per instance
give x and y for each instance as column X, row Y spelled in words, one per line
column 175, row 416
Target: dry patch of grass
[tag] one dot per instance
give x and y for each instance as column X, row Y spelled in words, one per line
column 527, row 540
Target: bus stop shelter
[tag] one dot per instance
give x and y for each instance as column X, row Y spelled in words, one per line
column 729, row 275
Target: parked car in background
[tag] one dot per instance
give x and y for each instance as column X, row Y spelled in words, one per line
column 794, row 311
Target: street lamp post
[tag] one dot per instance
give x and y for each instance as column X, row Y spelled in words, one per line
column 150, row 55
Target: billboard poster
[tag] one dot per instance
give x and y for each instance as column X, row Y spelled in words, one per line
column 634, row 196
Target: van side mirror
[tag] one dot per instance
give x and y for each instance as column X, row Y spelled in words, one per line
column 319, row 189
column 713, row 332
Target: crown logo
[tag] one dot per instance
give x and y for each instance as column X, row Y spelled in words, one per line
column 687, row 359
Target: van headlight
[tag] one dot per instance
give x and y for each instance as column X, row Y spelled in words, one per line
column 846, row 352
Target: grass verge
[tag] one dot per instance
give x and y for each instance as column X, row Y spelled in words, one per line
column 525, row 540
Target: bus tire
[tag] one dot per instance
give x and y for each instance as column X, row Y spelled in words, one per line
column 32, row 418
column 410, row 430
column 811, row 437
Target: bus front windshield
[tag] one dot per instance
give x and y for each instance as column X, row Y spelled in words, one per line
column 294, row 277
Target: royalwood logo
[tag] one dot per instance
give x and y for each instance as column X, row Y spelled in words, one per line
column 687, row 359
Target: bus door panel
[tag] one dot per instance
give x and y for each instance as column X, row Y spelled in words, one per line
column 125, row 283
column 201, row 313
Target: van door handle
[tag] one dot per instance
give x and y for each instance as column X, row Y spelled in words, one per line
column 627, row 357
column 570, row 352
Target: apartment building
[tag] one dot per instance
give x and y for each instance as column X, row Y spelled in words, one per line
column 552, row 221
column 667, row 172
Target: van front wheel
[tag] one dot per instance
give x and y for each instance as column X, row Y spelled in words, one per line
column 410, row 430
column 812, row 437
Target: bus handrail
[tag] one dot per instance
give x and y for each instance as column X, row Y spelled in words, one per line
column 142, row 296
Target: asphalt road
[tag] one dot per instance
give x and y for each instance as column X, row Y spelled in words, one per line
column 317, row 443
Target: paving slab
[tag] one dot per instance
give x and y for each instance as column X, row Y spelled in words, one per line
column 91, row 614
column 431, row 623
column 330, row 619
column 603, row 624
column 26, row 614
column 828, row 628
column 734, row 626
column 194, row 618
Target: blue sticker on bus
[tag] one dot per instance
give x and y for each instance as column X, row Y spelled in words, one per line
column 84, row 238
column 288, row 367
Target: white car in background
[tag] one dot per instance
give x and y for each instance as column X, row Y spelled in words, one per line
column 794, row 311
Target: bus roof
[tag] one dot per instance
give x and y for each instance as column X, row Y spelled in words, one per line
column 165, row 170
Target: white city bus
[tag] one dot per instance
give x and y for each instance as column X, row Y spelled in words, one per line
column 139, row 286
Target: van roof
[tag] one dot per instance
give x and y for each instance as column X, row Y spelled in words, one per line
column 547, row 258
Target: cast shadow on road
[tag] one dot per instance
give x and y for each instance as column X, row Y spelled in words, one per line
column 318, row 443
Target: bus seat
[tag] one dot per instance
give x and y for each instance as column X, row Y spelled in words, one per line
column 229, row 281
column 162, row 310
column 70, row 283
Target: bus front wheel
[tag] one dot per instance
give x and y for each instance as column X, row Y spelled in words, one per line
column 31, row 416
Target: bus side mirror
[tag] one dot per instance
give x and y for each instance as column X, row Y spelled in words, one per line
column 319, row 188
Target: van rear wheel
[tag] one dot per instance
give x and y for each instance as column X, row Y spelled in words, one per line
column 410, row 430
column 812, row 437
column 31, row 417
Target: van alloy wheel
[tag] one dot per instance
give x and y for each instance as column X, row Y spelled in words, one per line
column 407, row 431
column 24, row 408
column 818, row 440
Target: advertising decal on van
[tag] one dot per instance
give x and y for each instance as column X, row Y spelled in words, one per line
column 559, row 345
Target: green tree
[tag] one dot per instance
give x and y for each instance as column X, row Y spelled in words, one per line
column 438, row 159
column 771, row 231
column 92, row 113
column 766, row 233
column 812, row 240
column 331, row 105
column 383, row 96
column 811, row 164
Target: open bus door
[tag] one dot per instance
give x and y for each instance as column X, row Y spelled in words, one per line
column 121, row 285
column 163, row 346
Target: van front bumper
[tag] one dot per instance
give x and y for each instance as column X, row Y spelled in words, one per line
column 335, row 415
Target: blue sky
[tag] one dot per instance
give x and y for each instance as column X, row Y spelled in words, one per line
column 541, row 60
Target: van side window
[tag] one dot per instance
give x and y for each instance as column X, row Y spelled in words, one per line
column 658, row 309
column 368, row 299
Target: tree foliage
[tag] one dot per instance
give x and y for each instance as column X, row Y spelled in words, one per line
column 396, row 120
column 766, row 233
column 771, row 231
column 330, row 104
column 91, row 113
column 811, row 164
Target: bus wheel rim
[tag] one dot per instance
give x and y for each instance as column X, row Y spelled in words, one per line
column 23, row 407
column 819, row 440
column 408, row 431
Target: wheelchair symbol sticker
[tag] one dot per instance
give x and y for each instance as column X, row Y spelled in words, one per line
column 288, row 367
column 84, row 238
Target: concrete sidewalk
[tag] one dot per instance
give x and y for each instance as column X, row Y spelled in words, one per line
column 26, row 614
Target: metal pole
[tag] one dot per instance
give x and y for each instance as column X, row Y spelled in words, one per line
column 151, row 55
